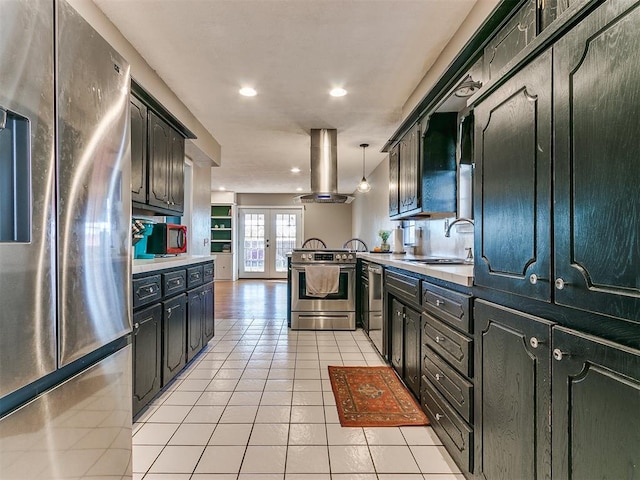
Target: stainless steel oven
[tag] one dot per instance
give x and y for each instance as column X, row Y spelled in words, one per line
column 336, row 311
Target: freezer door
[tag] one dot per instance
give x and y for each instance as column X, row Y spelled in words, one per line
column 79, row 429
column 27, row 186
column 94, row 207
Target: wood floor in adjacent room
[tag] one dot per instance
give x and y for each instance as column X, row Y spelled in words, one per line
column 251, row 299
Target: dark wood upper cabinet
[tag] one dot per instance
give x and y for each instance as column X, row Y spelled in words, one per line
column 426, row 170
column 138, row 150
column 408, row 188
column 513, row 184
column 597, row 172
column 439, row 182
column 394, row 164
column 511, row 39
column 596, row 400
column 176, row 184
column 157, row 157
column 159, row 161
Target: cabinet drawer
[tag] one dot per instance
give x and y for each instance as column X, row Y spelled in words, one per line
column 194, row 276
column 448, row 343
column 449, row 306
column 207, row 272
column 146, row 290
column 455, row 434
column 174, row 282
column 404, row 285
column 456, row 389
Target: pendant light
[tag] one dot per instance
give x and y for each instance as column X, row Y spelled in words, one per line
column 363, row 186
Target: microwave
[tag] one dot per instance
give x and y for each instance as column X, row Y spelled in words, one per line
column 167, row 238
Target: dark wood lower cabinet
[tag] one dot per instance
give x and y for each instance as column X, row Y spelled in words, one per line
column 194, row 330
column 596, row 408
column 200, row 319
column 513, row 390
column 174, row 336
column 397, row 326
column 411, row 347
column 208, row 324
column 147, row 349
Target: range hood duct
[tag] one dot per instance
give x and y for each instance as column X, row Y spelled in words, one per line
column 324, row 169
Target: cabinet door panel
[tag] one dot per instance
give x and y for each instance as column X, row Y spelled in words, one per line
column 174, row 337
column 513, row 161
column 138, row 151
column 411, row 346
column 409, row 170
column 513, row 37
column 394, row 159
column 176, row 185
column 147, row 348
column 597, row 172
column 397, row 341
column 208, row 319
column 512, row 394
column 194, row 327
column 159, row 161
column 596, row 400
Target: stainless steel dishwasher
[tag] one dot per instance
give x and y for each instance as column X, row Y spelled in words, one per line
column 377, row 329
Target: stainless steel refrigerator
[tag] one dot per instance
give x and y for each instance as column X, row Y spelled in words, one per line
column 65, row 348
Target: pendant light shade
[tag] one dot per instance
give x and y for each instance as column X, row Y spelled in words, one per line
column 363, row 186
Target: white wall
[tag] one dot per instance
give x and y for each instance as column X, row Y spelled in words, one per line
column 201, row 212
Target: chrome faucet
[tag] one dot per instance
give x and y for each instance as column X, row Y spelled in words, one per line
column 448, row 226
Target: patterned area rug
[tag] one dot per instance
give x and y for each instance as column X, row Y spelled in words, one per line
column 373, row 397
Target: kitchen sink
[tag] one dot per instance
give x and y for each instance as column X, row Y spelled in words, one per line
column 440, row 261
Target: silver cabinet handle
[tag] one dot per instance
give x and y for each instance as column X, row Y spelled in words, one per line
column 439, row 376
column 438, row 339
column 533, row 279
column 439, row 303
column 439, row 417
column 560, row 284
column 534, row 342
column 559, row 354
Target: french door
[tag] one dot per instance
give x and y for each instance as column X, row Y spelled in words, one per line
column 266, row 236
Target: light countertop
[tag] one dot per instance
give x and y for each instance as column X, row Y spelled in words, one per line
column 160, row 263
column 458, row 274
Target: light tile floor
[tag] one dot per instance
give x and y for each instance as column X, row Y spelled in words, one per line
column 257, row 404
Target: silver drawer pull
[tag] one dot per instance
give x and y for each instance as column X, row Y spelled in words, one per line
column 560, row 284
column 439, row 376
column 439, row 417
column 439, row 303
column 438, row 339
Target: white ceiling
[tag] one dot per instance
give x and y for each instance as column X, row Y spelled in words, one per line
column 292, row 52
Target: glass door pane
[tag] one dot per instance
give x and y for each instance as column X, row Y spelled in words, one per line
column 254, row 243
column 285, row 239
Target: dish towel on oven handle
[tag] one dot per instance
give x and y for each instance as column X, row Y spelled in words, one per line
column 321, row 280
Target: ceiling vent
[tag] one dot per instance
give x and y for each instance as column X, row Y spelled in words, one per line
column 324, row 169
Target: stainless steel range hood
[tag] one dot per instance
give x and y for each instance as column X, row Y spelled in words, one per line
column 324, row 169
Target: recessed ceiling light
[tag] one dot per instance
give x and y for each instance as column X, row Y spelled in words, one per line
column 222, row 189
column 295, row 170
column 338, row 92
column 299, row 189
column 248, row 92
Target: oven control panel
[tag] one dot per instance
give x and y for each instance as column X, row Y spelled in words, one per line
column 306, row 256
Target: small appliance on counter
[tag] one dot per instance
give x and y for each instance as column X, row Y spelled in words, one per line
column 167, row 239
column 140, row 231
